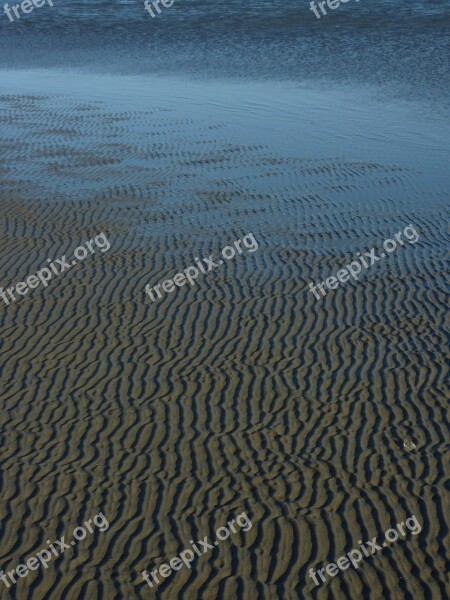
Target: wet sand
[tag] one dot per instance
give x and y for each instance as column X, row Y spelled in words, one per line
column 243, row 392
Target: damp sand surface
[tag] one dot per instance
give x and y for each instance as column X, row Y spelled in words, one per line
column 242, row 393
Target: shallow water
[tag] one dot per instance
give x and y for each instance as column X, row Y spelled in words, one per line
column 347, row 121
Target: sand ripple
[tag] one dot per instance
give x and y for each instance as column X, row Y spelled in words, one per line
column 242, row 393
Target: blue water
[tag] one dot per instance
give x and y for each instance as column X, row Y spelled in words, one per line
column 401, row 47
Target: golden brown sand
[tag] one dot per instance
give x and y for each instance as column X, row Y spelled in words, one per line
column 240, row 394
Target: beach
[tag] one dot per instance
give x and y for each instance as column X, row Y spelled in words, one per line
column 323, row 418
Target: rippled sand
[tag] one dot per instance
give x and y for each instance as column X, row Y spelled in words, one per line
column 241, row 393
